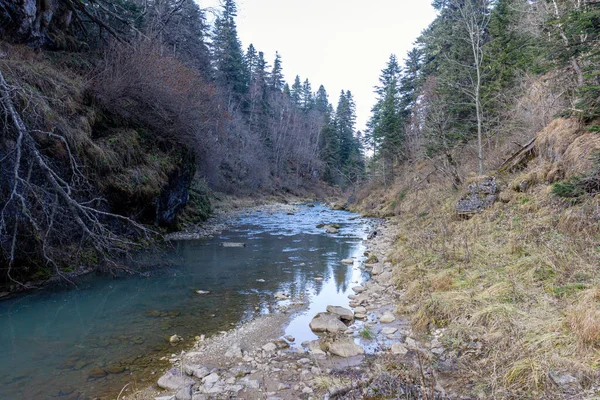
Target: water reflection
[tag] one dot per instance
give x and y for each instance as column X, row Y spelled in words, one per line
column 89, row 342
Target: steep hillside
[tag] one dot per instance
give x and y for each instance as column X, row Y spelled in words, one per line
column 513, row 291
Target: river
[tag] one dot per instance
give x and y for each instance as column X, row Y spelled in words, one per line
column 89, row 341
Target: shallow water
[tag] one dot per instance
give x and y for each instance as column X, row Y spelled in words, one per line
column 91, row 341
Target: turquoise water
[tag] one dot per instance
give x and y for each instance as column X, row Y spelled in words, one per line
column 89, row 341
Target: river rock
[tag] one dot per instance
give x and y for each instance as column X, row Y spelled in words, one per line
column 348, row 261
column 377, row 269
column 343, row 313
column 196, row 370
column 289, row 338
column 389, row 331
column 202, row 292
column 269, row 347
column 210, row 379
column 387, row 318
column 331, row 229
column 185, row 393
column 399, row 349
column 327, row 322
column 234, row 352
column 233, row 244
column 175, row 339
column 345, row 348
column 281, row 343
column 358, row 289
column 281, row 296
column 173, row 379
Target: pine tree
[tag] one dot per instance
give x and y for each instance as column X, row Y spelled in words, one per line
column 277, row 74
column 231, row 70
column 251, row 59
column 307, row 96
column 297, row 91
column 387, row 122
column 329, row 148
column 322, row 100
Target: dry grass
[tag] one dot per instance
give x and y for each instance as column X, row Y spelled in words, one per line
column 521, row 279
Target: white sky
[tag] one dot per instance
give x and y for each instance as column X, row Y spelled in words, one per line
column 341, row 44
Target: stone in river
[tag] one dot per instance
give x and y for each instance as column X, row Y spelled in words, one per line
column 202, row 292
column 175, row 339
column 327, row 322
column 233, row 244
column 344, row 313
column 348, row 261
column 389, row 331
column 281, row 296
column 387, row 318
column 97, row 373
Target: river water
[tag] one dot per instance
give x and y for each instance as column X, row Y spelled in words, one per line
column 90, row 341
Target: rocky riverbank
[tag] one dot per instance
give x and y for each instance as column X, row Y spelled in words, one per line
column 351, row 359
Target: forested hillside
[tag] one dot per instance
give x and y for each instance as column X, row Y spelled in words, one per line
column 119, row 115
column 486, row 146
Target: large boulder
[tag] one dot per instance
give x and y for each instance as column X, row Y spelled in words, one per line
column 345, row 348
column 343, row 313
column 327, row 322
column 481, row 195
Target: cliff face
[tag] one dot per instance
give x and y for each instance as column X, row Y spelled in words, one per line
column 38, row 23
column 81, row 180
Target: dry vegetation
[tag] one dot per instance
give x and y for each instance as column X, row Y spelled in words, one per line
column 519, row 280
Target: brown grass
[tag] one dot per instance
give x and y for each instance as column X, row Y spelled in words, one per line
column 521, row 278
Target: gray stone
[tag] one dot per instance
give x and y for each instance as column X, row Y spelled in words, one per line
column 345, row 348
column 343, row 313
column 479, row 196
column 387, row 318
column 185, row 393
column 348, row 261
column 269, row 347
column 358, row 289
column 377, row 269
column 233, row 244
column 165, row 398
column 173, row 379
column 211, row 379
column 281, row 296
column 330, row 229
column 202, row 292
column 175, row 339
column 234, row 352
column 327, row 322
column 389, row 331
column 251, row 383
column 196, row 370
column 398, row 348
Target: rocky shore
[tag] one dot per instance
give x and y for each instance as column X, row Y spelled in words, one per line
column 349, row 359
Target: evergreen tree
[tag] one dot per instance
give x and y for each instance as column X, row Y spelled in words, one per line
column 277, row 74
column 231, row 70
column 286, row 90
column 329, row 146
column 387, row 122
column 307, row 96
column 297, row 91
column 322, row 100
column 251, row 59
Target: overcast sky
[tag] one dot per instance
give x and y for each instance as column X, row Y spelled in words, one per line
column 341, row 44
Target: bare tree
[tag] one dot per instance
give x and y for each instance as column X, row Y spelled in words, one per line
column 44, row 204
column 474, row 18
